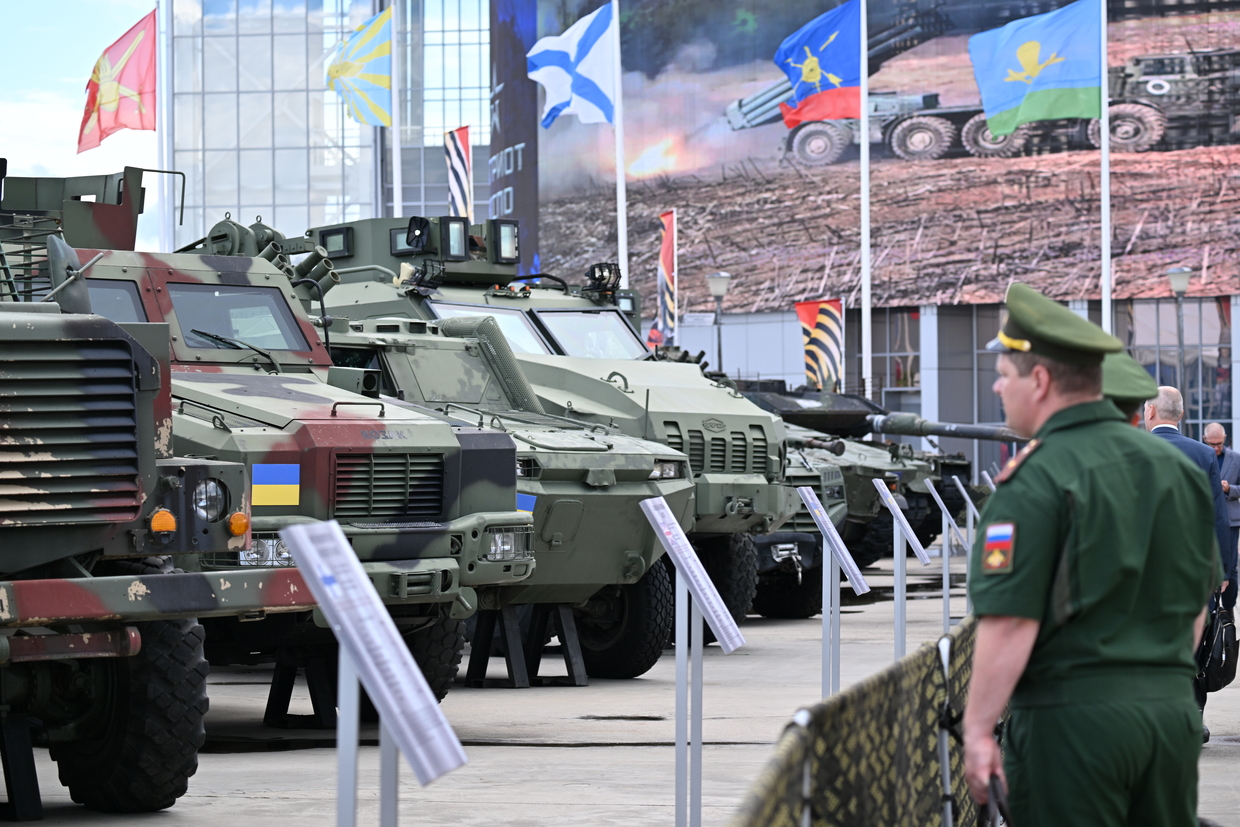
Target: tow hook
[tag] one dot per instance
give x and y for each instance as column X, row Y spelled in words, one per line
column 787, row 551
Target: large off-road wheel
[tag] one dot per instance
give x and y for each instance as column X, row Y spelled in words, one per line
column 876, row 542
column 979, row 141
column 622, row 629
column 922, row 138
column 820, row 143
column 142, row 759
column 1134, row 127
column 732, row 563
column 437, row 649
column 780, row 596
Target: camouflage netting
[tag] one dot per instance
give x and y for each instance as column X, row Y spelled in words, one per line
column 872, row 751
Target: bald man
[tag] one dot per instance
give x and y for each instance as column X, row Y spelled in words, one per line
column 1215, row 436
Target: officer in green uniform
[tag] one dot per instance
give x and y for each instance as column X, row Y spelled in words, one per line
column 1093, row 564
column 1128, row 385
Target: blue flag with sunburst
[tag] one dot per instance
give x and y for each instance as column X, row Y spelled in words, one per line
column 360, row 70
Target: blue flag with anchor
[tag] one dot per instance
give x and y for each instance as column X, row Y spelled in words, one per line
column 577, row 69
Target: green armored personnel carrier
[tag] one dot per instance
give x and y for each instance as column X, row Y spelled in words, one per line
column 579, row 350
column 101, row 654
column 582, row 482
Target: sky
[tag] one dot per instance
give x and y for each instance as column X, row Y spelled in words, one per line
column 50, row 49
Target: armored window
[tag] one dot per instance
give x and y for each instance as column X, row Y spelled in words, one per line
column 116, row 300
column 593, row 334
column 520, row 333
column 258, row 316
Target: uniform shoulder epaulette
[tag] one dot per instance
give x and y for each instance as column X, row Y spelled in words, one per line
column 1015, row 462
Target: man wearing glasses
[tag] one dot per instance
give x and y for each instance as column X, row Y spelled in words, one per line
column 1229, row 472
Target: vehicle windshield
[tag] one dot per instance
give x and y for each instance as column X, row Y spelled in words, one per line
column 258, row 316
column 593, row 334
column 517, row 328
column 115, row 300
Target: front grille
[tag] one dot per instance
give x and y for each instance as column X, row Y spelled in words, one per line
column 802, row 520
column 740, row 451
column 68, row 445
column 388, row 485
column 697, row 452
column 735, row 454
column 718, row 454
column 758, row 455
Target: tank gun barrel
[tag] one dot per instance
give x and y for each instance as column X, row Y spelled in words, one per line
column 907, row 424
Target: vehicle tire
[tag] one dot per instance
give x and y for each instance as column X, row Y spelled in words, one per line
column 732, row 563
column 780, row 596
column 876, row 542
column 979, row 141
column 819, row 144
column 922, row 138
column 143, row 760
column 627, row 639
column 438, row 649
column 1134, row 127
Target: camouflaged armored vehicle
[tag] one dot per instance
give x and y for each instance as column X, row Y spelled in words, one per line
column 584, row 360
column 101, row 659
column 581, row 482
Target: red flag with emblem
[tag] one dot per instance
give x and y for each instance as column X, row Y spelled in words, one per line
column 121, row 91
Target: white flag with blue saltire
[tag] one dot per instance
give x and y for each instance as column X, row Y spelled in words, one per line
column 360, row 70
column 577, row 69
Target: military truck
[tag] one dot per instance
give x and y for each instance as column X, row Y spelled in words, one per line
column 582, row 482
column 101, row 655
column 585, row 361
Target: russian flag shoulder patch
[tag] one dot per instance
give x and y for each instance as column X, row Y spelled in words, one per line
column 998, row 548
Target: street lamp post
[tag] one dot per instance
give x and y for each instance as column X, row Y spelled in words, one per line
column 1178, row 278
column 718, row 283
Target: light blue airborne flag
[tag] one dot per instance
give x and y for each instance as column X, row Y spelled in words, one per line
column 361, row 71
column 577, row 69
column 1040, row 68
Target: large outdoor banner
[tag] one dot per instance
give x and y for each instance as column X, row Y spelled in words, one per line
column 985, row 167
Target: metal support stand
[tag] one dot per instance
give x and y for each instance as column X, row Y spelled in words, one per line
column 318, row 680
column 514, row 651
column 831, row 626
column 389, row 774
column 970, row 515
column 947, row 571
column 688, row 708
column 901, row 591
column 561, row 614
column 348, row 696
column 21, row 782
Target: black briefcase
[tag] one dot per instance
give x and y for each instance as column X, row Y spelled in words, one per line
column 1216, row 659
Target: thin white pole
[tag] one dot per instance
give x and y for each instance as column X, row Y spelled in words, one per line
column 398, row 54
column 161, row 123
column 389, row 775
column 698, row 643
column 348, row 698
column 947, row 574
column 828, row 623
column 867, row 327
column 682, row 701
column 675, row 276
column 834, row 574
column 901, row 607
column 1105, row 280
column 622, row 207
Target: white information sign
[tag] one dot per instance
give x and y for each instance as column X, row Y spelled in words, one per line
column 832, row 540
column 407, row 707
column 990, row 483
column 951, row 521
column 704, row 593
column 901, row 521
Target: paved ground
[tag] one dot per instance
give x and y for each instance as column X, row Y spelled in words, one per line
column 598, row 755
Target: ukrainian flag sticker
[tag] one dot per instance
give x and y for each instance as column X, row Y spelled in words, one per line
column 275, row 484
column 525, row 502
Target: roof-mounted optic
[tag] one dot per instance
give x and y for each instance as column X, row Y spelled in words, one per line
column 503, row 241
column 453, row 238
column 338, row 242
column 602, row 279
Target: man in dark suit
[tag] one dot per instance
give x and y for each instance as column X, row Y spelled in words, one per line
column 1215, row 436
column 1162, row 418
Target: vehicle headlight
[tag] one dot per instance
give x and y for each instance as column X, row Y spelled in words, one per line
column 266, row 551
column 665, row 470
column 510, row 544
column 210, row 500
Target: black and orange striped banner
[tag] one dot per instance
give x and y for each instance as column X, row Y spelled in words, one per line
column 822, row 332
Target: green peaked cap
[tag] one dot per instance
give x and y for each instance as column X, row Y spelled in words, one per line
column 1126, row 381
column 1038, row 325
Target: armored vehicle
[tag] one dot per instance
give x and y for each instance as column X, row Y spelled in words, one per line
column 101, row 657
column 585, row 361
column 582, row 482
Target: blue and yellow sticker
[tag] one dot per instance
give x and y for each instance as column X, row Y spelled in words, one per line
column 526, row 502
column 275, row 484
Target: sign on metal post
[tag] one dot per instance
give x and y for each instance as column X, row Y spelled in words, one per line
column 971, row 516
column 369, row 639
column 990, row 483
column 950, row 531
column 964, row 492
column 903, row 532
column 901, row 521
column 696, row 598
column 842, row 560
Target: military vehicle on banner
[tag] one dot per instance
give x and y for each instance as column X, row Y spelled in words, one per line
column 100, row 654
column 580, row 352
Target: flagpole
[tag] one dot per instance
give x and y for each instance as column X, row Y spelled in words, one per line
column 162, row 120
column 675, row 278
column 867, row 327
column 622, row 208
column 1104, row 121
column 398, row 176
